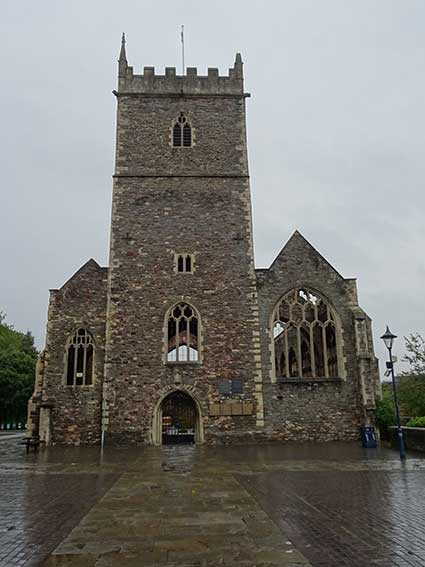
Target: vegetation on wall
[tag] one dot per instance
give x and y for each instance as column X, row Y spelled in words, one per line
column 18, row 357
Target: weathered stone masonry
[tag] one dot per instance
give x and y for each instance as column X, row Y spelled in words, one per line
column 73, row 414
column 190, row 195
column 317, row 409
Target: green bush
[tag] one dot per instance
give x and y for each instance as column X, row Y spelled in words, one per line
column 416, row 422
column 385, row 411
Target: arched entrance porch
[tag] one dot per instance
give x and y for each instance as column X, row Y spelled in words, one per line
column 177, row 419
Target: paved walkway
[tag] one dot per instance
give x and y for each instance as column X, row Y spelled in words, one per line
column 318, row 505
column 6, row 435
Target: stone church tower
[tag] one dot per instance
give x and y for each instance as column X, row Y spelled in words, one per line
column 181, row 339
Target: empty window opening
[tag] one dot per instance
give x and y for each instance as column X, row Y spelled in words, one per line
column 179, row 419
column 80, row 359
column 184, row 263
column 183, row 334
column 305, row 337
column 182, row 132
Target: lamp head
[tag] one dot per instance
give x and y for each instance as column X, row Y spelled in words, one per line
column 388, row 338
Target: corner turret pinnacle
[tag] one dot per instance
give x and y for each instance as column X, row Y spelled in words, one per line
column 122, row 61
column 238, row 66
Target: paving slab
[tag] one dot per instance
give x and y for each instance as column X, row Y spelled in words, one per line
column 329, row 505
column 171, row 515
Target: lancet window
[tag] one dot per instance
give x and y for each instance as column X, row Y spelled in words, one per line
column 305, row 337
column 184, row 263
column 80, row 359
column 183, row 334
column 182, row 132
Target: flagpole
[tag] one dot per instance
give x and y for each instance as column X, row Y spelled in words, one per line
column 182, row 37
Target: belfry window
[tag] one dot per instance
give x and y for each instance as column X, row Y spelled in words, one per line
column 182, row 334
column 182, row 132
column 80, row 359
column 305, row 337
column 184, row 263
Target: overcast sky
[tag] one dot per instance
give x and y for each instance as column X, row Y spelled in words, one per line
column 336, row 128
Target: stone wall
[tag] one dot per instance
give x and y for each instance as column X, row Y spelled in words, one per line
column 195, row 201
column 144, row 286
column 171, row 200
column 313, row 409
column 414, row 438
column 72, row 414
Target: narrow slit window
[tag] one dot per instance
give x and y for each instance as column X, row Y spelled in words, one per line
column 180, row 264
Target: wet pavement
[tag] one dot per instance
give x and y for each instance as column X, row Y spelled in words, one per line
column 328, row 505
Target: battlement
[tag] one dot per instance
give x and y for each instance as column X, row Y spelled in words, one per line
column 172, row 83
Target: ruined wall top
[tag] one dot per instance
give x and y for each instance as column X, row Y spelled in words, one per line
column 173, row 84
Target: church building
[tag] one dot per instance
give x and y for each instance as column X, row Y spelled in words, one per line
column 181, row 339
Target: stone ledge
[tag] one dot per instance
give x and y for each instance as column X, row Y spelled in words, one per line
column 303, row 381
column 414, row 438
column 165, row 94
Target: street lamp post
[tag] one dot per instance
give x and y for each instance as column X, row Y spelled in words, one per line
column 388, row 339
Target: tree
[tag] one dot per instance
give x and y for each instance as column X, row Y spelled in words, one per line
column 415, row 346
column 18, row 357
column 411, row 384
column 411, row 393
column 410, row 387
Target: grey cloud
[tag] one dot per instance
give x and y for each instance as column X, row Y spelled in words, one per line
column 335, row 128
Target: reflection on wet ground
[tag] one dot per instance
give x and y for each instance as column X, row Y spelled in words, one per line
column 329, row 505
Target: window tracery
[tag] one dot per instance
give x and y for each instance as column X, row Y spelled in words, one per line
column 183, row 334
column 80, row 359
column 182, row 132
column 305, row 337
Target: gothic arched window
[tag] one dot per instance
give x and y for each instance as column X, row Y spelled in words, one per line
column 183, row 334
column 80, row 359
column 305, row 337
column 182, row 132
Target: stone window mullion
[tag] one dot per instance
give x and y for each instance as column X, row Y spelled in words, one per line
column 85, row 358
column 299, row 353
column 183, row 334
column 74, row 381
column 177, row 339
column 187, row 339
column 325, row 352
column 182, row 132
column 312, row 355
column 77, row 357
column 286, row 349
column 306, row 336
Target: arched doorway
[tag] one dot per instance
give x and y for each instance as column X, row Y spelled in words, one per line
column 179, row 419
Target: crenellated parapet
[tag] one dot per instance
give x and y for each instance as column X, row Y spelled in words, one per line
column 174, row 84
